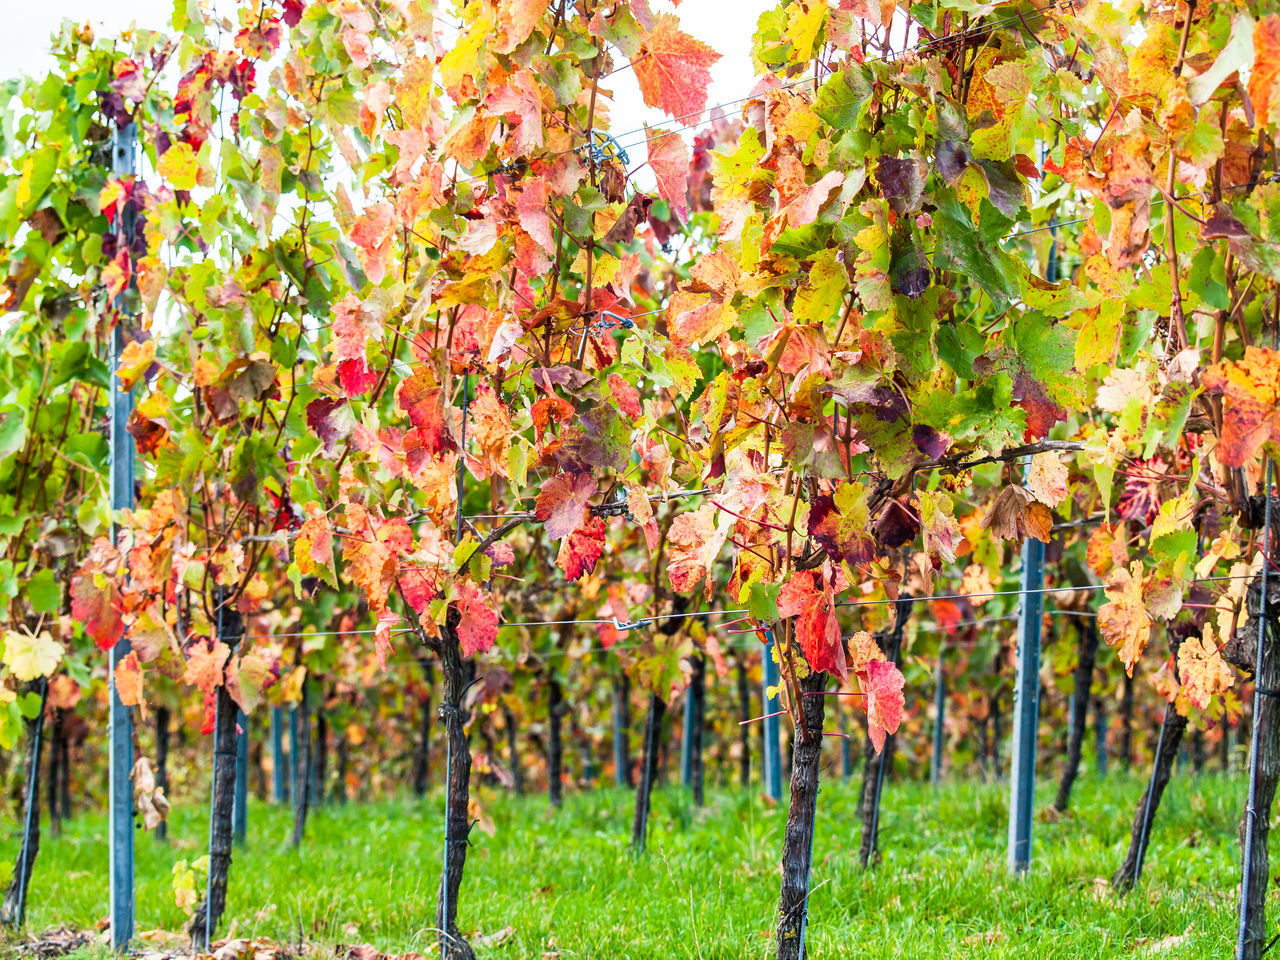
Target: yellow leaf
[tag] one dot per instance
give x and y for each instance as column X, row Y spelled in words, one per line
column 30, row 656
column 178, row 166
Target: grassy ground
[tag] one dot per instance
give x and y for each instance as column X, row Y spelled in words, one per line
column 567, row 885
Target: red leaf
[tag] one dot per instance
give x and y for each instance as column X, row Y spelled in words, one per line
column 356, row 377
column 672, row 70
column 581, row 549
column 330, row 420
column 669, row 159
column 625, row 396
column 478, row 628
column 423, row 401
column 519, row 101
column 96, row 603
column 546, row 410
column 562, row 505
column 882, row 684
column 807, row 597
column 532, row 209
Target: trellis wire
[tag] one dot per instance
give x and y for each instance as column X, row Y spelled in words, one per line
column 715, row 613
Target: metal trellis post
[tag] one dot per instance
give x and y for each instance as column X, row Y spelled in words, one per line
column 120, row 719
column 619, row 745
column 1026, row 708
column 686, row 740
column 279, row 775
column 772, row 744
column 939, row 715
column 295, row 744
column 1100, row 721
column 240, row 801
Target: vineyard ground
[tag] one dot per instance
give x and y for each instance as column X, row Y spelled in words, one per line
column 566, row 885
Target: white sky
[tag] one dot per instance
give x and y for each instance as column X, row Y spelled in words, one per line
column 727, row 27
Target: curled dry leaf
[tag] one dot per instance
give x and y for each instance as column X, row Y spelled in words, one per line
column 1016, row 514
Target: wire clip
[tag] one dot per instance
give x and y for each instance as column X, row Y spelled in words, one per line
column 628, row 624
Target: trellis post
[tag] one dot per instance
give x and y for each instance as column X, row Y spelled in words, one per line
column 1100, row 722
column 686, row 740
column 240, row 803
column 620, row 777
column 1026, row 708
column 939, row 715
column 119, row 717
column 772, row 745
column 279, row 775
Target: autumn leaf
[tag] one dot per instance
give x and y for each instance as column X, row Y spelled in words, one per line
column 1047, row 478
column 519, row 101
column 809, row 599
column 372, row 233
column 382, row 645
column 136, row 358
column 562, row 504
column 331, row 420
column 882, row 682
column 489, row 427
column 1202, row 669
column 371, row 565
column 841, row 524
column 625, row 396
column 1107, row 548
column 942, row 534
column 1123, row 620
column 422, row 400
column 478, row 623
column 313, row 548
column 206, row 663
column 30, row 655
column 249, row 675
column 1016, row 514
column 693, row 542
column 669, row 160
column 672, row 69
column 148, row 795
column 580, row 550
column 178, row 166
column 95, row 602
column 1265, row 75
column 1250, row 388
column 128, row 675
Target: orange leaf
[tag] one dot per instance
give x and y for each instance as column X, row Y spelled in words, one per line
column 1251, row 388
column 206, row 661
column 672, row 70
column 1123, row 620
column 1266, row 66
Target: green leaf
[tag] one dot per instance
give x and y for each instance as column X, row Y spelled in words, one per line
column 44, row 592
column 13, row 429
column 841, row 98
column 762, row 604
column 960, row 249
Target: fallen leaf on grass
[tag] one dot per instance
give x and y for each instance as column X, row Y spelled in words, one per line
column 495, row 938
column 1147, row 946
column 989, row 936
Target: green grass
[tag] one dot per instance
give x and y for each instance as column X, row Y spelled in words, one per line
column 566, row 882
